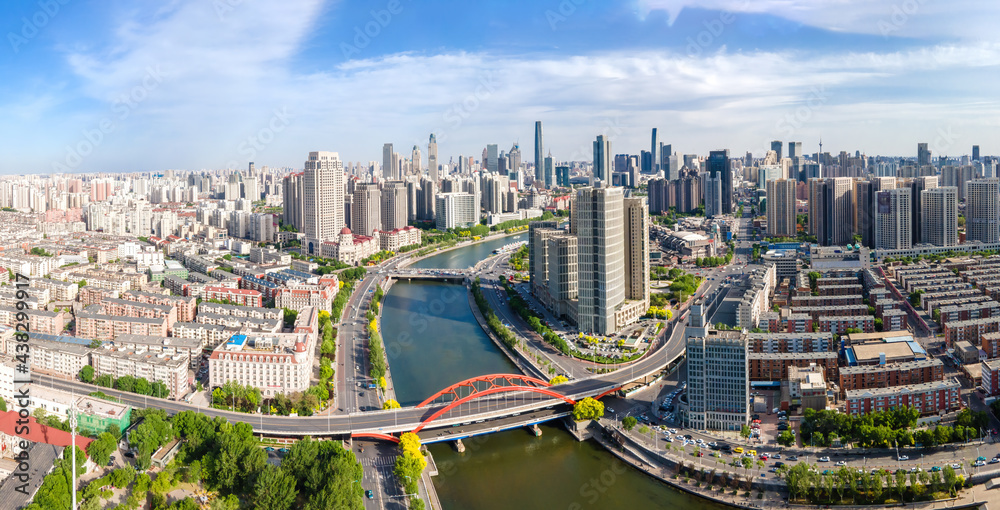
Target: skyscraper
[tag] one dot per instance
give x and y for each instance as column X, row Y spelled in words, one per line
column 636, row 221
column 292, row 199
column 917, row 186
column 655, row 152
column 817, row 208
column 323, row 198
column 795, row 150
column 539, row 154
column 601, row 256
column 514, row 158
column 982, row 210
column 781, row 208
column 394, row 206
column 776, row 146
column 717, row 376
column 713, row 195
column 893, row 229
column 562, row 176
column 432, row 158
column 492, row 159
column 669, row 172
column 388, row 162
column 415, row 160
column 602, row 159
column 366, row 209
column 549, row 172
column 975, row 153
column 923, row 155
column 718, row 164
column 939, row 224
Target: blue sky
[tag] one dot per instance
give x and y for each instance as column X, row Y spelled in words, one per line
column 200, row 84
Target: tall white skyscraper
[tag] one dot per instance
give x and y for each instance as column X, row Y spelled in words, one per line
column 939, row 207
column 323, row 198
column 394, row 206
column 432, row 158
column 718, row 386
column 601, row 257
column 893, row 210
column 388, row 162
column 603, row 159
column 982, row 210
column 415, row 162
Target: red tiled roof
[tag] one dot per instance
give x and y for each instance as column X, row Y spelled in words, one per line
column 38, row 433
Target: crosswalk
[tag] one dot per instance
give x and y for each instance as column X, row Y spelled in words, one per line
column 378, row 462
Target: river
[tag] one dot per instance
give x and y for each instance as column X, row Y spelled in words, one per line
column 433, row 340
column 467, row 256
column 515, row 470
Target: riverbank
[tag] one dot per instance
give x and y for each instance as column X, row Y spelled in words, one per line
column 763, row 492
column 524, row 362
column 462, row 244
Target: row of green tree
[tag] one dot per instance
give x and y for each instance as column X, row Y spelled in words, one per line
column 340, row 300
column 884, row 429
column 518, row 260
column 521, row 223
column 848, row 486
column 534, row 320
column 409, row 467
column 492, row 321
column 128, row 383
column 376, row 352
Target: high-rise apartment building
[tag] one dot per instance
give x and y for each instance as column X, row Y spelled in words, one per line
column 539, row 154
column 636, row 220
column 717, row 164
column 601, row 255
column 917, row 187
column 292, row 200
column 982, row 210
column 415, row 160
column 394, row 206
column 781, row 208
column 893, row 228
column 432, row 158
column 602, row 159
column 454, row 210
column 717, row 376
column 366, row 209
column 323, row 198
column 939, row 223
column 838, row 212
column 538, row 232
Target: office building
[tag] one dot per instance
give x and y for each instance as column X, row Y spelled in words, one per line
column 599, row 226
column 432, row 159
column 292, row 200
column 539, row 154
column 323, row 193
column 713, row 195
column 776, row 146
column 415, row 160
column 939, row 221
column 781, row 208
column 562, row 176
column 538, row 232
column 893, row 225
column 975, row 153
column 394, row 206
column 366, row 209
column 655, row 154
column 492, row 159
column 602, row 159
column 636, row 219
column 717, row 164
column 389, row 163
column 923, row 155
column 718, row 383
column 982, row 209
column 549, row 173
column 795, row 150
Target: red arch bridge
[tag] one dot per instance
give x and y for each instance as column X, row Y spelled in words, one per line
column 498, row 394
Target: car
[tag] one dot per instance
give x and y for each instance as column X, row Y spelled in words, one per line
column 901, row 458
column 130, row 455
column 610, row 410
column 994, row 460
column 824, row 459
column 979, row 463
column 915, row 469
column 841, row 463
column 981, row 459
column 701, row 454
column 772, row 470
column 668, row 439
column 269, row 449
column 369, row 494
column 688, row 437
column 776, row 456
column 935, row 469
column 764, row 456
column 956, row 466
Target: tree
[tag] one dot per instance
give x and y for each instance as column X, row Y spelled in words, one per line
column 87, row 374
column 786, row 438
column 559, row 379
column 629, row 422
column 100, row 449
column 122, row 477
column 745, row 432
column 390, row 404
column 588, row 409
column 274, row 489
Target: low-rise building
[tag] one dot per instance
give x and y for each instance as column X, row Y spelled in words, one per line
column 767, row 366
column 92, row 323
column 242, row 297
column 170, row 370
column 891, row 374
column 970, row 330
column 991, row 377
column 276, row 363
column 791, row 342
column 185, row 306
column 840, row 324
column 241, row 311
column 928, row 398
column 807, row 386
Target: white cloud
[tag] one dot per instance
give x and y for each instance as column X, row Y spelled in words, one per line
column 223, row 80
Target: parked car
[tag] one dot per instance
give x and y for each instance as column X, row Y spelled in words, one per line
column 824, row 459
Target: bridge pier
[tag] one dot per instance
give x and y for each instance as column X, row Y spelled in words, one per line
column 535, row 430
column 459, row 446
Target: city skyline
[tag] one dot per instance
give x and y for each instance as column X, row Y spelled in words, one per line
column 269, row 99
